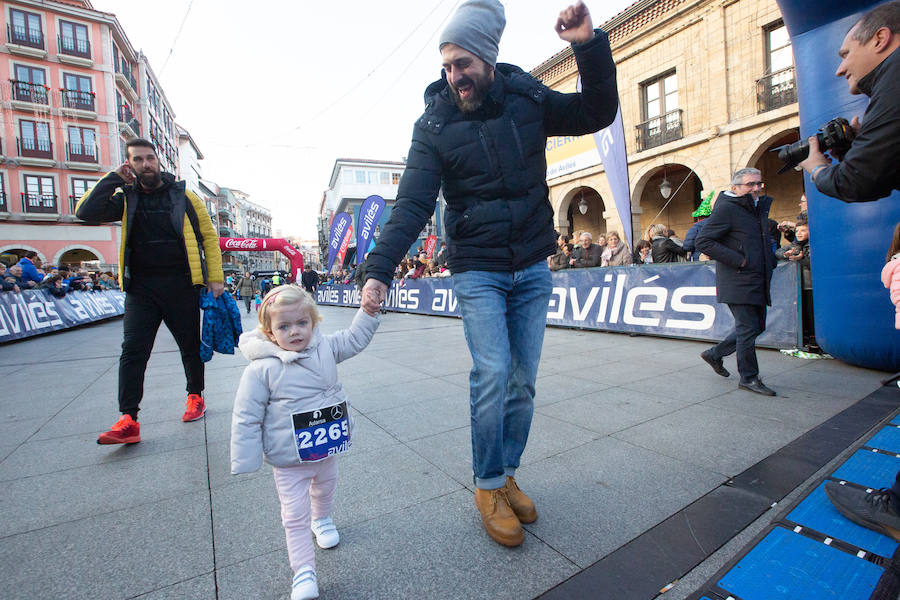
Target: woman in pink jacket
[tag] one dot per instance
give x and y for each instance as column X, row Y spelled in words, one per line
column 890, row 275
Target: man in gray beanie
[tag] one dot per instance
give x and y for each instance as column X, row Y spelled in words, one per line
column 482, row 138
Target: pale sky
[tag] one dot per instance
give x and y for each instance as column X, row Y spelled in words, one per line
column 274, row 91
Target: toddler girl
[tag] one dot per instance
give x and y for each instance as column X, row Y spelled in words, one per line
column 291, row 409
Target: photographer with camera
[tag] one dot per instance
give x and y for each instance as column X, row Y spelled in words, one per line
column 870, row 62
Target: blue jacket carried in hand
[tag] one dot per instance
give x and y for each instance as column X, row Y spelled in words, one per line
column 221, row 325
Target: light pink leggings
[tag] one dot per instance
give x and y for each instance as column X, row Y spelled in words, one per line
column 306, row 492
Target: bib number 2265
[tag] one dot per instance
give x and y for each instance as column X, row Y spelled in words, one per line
column 322, row 433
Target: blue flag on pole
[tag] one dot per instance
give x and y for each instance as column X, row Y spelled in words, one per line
column 369, row 215
column 339, row 226
column 611, row 144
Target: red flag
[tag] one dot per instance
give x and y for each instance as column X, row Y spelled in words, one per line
column 430, row 243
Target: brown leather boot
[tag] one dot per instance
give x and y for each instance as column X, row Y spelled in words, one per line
column 499, row 520
column 519, row 502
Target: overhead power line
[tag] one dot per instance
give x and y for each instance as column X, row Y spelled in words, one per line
column 177, row 35
column 332, row 104
column 413, row 61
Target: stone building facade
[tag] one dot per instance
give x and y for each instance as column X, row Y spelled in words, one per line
column 706, row 87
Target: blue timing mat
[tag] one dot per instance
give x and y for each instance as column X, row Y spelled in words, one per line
column 811, row 551
column 886, row 439
column 786, row 565
column 816, row 512
column 869, row 469
column 853, row 313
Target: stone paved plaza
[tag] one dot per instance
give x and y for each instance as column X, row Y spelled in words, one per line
column 627, row 431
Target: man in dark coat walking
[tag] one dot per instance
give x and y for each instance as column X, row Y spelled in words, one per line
column 482, row 139
column 736, row 236
column 310, row 280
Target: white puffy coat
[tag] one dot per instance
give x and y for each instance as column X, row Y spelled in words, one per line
column 278, row 383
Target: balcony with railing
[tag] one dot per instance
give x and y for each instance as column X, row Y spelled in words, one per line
column 73, row 46
column 81, row 153
column 225, row 212
column 25, row 36
column 32, row 93
column 660, row 130
column 776, row 90
column 39, row 203
column 34, row 147
column 128, row 118
column 79, row 100
column 123, row 70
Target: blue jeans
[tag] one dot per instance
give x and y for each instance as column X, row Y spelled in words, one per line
column 504, row 315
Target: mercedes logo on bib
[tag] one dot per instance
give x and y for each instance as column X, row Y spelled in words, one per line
column 336, row 412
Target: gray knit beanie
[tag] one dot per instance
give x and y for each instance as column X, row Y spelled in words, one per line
column 477, row 27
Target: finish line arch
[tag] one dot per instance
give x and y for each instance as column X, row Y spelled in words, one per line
column 266, row 245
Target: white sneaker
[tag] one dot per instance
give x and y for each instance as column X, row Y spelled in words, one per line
column 306, row 586
column 326, row 533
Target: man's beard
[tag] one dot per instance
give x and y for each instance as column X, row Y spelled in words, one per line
column 480, row 85
column 150, row 180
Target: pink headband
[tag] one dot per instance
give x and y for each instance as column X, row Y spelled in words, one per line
column 271, row 298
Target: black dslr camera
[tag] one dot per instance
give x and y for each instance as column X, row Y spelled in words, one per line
column 835, row 136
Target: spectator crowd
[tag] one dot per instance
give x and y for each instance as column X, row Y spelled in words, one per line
column 29, row 274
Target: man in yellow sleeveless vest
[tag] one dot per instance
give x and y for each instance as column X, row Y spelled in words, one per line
column 169, row 250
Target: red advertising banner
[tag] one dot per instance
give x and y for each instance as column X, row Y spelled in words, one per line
column 430, row 243
column 344, row 244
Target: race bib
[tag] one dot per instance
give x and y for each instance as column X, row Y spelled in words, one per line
column 322, row 433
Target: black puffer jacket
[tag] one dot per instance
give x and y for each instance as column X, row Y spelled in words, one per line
column 736, row 236
column 492, row 166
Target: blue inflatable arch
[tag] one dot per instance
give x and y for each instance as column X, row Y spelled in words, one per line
column 853, row 312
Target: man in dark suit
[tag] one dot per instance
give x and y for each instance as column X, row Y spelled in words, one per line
column 736, row 236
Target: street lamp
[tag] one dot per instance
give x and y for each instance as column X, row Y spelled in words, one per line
column 582, row 204
column 665, row 188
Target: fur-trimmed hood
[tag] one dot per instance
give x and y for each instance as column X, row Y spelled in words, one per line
column 254, row 344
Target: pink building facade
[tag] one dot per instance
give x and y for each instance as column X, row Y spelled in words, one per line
column 71, row 97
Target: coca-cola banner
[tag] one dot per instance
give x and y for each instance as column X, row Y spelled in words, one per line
column 33, row 312
column 430, row 243
column 266, row 245
column 340, row 227
column 369, row 215
column 242, row 244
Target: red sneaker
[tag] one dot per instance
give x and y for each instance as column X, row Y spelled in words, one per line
column 125, row 431
column 195, row 408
